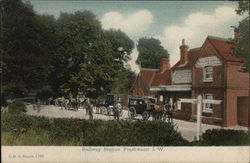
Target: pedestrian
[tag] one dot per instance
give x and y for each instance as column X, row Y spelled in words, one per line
column 148, row 107
column 171, row 111
column 87, row 103
column 167, row 108
column 91, row 112
column 34, row 104
column 89, row 108
column 38, row 105
column 117, row 109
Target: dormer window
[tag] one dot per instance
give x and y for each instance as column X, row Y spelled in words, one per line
column 208, row 74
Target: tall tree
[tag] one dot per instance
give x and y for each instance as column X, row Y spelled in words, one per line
column 242, row 43
column 150, row 52
column 24, row 47
column 123, row 81
column 88, row 57
column 71, row 53
column 75, row 36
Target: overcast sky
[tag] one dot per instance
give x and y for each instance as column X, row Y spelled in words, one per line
column 168, row 21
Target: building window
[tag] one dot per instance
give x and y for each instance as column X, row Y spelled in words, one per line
column 208, row 74
column 208, row 108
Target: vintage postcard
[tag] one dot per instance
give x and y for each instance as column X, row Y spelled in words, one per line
column 124, row 81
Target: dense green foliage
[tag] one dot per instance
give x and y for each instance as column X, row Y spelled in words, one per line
column 17, row 107
column 25, row 47
column 69, row 54
column 150, row 52
column 89, row 58
column 219, row 137
column 21, row 129
column 123, row 82
column 242, row 48
column 85, row 132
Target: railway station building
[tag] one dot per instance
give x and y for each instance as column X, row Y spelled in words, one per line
column 210, row 71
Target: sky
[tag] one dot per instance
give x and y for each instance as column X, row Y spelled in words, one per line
column 168, row 21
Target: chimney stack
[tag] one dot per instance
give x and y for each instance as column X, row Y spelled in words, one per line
column 164, row 61
column 183, row 52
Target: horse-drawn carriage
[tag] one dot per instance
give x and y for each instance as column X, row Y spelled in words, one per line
column 147, row 107
column 114, row 104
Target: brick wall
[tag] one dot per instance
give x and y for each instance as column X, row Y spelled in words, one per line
column 236, row 79
column 216, row 117
column 231, row 110
column 218, row 77
column 243, row 111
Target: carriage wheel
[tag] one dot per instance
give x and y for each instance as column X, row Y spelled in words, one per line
column 145, row 115
column 131, row 113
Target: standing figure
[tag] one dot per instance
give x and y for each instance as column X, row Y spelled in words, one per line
column 148, row 103
column 66, row 102
column 38, row 105
column 86, row 102
column 89, row 108
column 170, row 110
column 91, row 112
column 117, row 109
column 167, row 108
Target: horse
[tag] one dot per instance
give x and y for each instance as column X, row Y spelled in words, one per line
column 170, row 108
column 49, row 101
column 74, row 103
column 80, row 101
column 62, row 102
column 117, row 109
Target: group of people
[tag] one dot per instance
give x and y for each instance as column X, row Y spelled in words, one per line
column 170, row 108
column 166, row 111
column 87, row 103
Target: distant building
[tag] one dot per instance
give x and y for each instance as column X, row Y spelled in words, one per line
column 148, row 78
column 210, row 71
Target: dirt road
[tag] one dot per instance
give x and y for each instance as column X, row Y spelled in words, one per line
column 187, row 129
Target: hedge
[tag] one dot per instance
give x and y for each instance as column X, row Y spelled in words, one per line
column 21, row 129
column 224, row 137
column 62, row 131
column 17, row 107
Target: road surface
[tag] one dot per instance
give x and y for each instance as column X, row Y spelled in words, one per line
column 187, row 129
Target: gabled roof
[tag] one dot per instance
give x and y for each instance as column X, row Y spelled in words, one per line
column 224, row 47
column 153, row 77
column 139, row 81
column 148, row 75
column 192, row 56
column 162, row 78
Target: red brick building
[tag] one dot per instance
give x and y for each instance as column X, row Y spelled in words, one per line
column 210, row 71
column 148, row 78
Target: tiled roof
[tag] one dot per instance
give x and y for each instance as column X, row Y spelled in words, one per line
column 224, row 47
column 192, row 56
column 148, row 75
column 153, row 77
column 162, row 78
